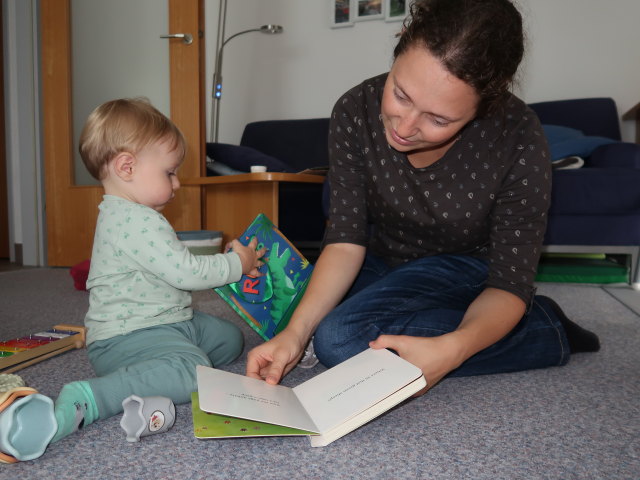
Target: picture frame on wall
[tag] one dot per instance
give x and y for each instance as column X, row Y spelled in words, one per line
column 341, row 13
column 396, row 10
column 369, row 9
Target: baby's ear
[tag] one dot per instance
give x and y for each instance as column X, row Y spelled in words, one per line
column 123, row 165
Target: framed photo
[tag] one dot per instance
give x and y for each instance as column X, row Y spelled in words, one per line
column 341, row 13
column 396, row 10
column 369, row 9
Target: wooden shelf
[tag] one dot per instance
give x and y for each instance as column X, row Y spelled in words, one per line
column 634, row 114
column 245, row 178
column 231, row 202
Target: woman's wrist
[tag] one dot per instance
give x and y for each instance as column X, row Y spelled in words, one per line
column 300, row 332
column 457, row 348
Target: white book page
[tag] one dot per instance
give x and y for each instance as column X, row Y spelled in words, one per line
column 347, row 389
column 235, row 395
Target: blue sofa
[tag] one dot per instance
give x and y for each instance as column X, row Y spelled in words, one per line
column 283, row 146
column 594, row 209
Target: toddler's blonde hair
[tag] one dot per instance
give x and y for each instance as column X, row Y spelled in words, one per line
column 124, row 125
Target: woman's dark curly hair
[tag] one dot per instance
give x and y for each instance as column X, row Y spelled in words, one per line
column 481, row 42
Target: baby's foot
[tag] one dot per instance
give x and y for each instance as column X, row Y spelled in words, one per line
column 75, row 408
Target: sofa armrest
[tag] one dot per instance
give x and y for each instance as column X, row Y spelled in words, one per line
column 618, row 155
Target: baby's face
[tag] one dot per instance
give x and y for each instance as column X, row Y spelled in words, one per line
column 155, row 179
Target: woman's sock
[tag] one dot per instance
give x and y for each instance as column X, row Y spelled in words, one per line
column 580, row 339
column 74, row 408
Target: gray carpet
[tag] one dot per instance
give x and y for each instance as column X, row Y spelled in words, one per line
column 581, row 421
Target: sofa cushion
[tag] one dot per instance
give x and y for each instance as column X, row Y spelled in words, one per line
column 619, row 154
column 595, row 191
column 593, row 230
column 240, row 158
column 565, row 142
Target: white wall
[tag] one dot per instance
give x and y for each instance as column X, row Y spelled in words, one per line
column 583, row 48
column 576, row 48
column 297, row 74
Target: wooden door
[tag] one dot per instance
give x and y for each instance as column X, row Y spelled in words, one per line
column 71, row 210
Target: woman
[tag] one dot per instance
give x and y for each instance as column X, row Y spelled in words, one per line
column 440, row 184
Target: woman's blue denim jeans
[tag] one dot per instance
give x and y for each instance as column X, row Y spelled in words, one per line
column 426, row 298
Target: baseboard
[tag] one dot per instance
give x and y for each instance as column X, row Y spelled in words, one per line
column 17, row 253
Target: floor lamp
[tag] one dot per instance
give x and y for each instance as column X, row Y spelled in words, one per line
column 217, row 75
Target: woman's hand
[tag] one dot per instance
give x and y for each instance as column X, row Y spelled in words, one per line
column 490, row 317
column 274, row 359
column 333, row 274
column 435, row 356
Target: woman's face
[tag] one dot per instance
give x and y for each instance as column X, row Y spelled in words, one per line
column 423, row 105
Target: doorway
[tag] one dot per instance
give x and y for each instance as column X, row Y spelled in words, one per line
column 71, row 208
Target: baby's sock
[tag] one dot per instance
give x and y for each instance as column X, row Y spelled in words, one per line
column 580, row 339
column 74, row 408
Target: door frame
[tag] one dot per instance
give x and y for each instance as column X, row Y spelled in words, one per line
column 4, row 186
column 71, row 211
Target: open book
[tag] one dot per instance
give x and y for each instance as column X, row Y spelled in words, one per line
column 325, row 407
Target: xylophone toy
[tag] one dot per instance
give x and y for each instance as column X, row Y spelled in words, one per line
column 22, row 352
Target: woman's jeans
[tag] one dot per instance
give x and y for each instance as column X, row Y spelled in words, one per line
column 426, row 298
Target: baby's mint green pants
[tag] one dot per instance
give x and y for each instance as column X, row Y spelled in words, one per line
column 160, row 360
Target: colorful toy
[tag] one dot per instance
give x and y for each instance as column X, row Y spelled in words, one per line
column 22, row 352
column 27, row 424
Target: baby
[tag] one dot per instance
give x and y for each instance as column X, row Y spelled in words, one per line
column 143, row 336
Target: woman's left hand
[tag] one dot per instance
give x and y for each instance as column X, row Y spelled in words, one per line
column 435, row 356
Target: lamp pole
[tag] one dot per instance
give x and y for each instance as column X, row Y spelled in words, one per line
column 217, row 75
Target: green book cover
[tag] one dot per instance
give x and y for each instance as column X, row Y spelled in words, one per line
column 266, row 303
column 211, row 425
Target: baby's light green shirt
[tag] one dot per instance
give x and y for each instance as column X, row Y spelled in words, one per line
column 141, row 275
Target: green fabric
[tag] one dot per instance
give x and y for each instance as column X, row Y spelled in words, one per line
column 141, row 274
column 581, row 270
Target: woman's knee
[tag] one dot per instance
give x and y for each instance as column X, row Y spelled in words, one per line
column 333, row 344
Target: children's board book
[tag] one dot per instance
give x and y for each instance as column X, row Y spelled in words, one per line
column 326, row 407
column 266, row 303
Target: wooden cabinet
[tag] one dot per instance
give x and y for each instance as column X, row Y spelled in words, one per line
column 231, row 202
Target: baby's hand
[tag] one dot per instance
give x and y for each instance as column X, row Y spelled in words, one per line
column 249, row 256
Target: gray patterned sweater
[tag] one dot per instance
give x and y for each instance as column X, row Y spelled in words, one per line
column 487, row 196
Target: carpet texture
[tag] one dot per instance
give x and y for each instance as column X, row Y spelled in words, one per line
column 581, row 421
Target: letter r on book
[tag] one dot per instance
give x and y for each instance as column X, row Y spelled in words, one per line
column 249, row 286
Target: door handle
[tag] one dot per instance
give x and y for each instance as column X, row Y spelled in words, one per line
column 187, row 38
